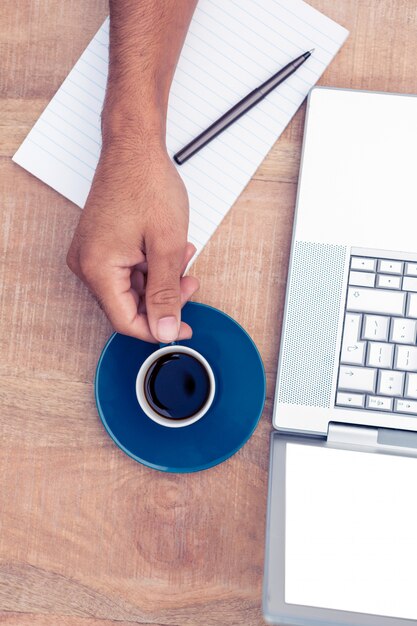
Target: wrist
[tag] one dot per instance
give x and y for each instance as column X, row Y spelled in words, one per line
column 133, row 124
column 132, row 152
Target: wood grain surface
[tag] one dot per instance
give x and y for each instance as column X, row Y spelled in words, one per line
column 88, row 537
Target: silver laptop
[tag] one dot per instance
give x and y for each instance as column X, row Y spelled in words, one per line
column 341, row 542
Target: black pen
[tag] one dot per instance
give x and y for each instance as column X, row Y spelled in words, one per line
column 239, row 109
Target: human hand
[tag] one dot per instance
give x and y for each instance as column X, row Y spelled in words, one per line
column 130, row 247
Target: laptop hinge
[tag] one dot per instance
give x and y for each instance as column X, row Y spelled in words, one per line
column 350, row 434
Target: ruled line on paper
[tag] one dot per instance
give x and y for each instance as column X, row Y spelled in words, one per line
column 229, row 50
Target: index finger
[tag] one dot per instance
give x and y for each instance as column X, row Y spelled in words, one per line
column 120, row 303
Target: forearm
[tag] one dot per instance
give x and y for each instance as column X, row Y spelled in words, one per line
column 146, row 37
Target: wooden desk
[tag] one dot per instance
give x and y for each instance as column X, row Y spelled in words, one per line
column 88, row 537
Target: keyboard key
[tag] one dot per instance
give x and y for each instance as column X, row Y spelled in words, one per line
column 363, row 263
column 406, row 406
column 390, row 383
column 353, row 353
column 378, row 403
column 380, row 354
column 352, row 327
column 411, row 269
column 409, row 283
column 411, row 386
column 390, row 267
column 362, row 279
column 350, row 399
column 406, row 358
column 357, row 379
column 375, row 328
column 403, row 330
column 381, row 301
column 388, row 282
column 412, row 305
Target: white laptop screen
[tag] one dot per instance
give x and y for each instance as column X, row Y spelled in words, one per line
column 351, row 531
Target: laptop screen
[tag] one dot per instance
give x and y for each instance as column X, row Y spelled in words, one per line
column 351, row 531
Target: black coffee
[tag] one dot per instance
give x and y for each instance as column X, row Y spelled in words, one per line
column 177, row 385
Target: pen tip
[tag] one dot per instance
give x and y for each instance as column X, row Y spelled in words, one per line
column 311, row 51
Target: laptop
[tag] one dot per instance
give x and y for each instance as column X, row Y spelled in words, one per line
column 341, row 541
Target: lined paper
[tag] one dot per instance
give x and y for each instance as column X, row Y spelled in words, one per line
column 229, row 50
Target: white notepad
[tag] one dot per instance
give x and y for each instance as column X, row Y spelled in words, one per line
column 229, row 50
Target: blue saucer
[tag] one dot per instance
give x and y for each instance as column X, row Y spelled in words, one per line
column 231, row 419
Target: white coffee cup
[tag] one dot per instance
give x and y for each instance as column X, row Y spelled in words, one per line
column 140, row 387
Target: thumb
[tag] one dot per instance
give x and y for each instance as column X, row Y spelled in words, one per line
column 163, row 294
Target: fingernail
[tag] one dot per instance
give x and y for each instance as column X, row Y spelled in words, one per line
column 167, row 329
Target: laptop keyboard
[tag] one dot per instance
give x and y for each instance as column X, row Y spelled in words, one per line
column 378, row 358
